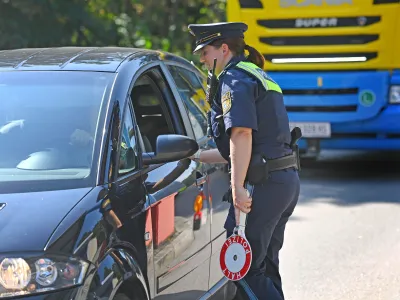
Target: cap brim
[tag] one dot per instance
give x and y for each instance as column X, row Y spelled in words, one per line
column 201, row 46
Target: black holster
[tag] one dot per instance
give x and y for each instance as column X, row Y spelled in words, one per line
column 210, row 133
column 227, row 197
column 260, row 166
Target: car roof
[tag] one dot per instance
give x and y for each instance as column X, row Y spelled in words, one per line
column 105, row 59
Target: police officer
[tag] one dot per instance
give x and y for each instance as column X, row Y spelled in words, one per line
column 251, row 129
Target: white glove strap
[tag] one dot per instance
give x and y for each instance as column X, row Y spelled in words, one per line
column 197, row 154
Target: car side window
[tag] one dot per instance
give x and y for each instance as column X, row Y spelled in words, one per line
column 192, row 93
column 151, row 112
column 128, row 158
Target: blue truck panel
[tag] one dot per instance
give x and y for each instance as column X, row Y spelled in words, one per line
column 354, row 104
column 395, row 77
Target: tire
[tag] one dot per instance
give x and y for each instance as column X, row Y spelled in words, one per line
column 121, row 297
column 125, row 294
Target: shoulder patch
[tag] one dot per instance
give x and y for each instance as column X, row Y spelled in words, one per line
column 226, row 101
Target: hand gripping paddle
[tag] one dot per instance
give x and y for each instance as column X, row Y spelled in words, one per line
column 235, row 256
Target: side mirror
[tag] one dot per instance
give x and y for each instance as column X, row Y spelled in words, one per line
column 171, row 147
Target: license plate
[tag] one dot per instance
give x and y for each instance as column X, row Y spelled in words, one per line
column 313, row 129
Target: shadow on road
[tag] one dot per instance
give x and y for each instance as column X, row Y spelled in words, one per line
column 374, row 165
column 340, row 177
column 183, row 295
column 352, row 179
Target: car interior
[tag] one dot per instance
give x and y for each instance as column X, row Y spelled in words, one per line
column 150, row 113
column 42, row 139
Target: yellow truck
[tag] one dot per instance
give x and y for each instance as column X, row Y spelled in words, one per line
column 338, row 63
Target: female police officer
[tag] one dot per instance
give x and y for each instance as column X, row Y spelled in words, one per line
column 251, row 129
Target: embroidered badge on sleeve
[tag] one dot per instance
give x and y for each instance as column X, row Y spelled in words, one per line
column 226, row 102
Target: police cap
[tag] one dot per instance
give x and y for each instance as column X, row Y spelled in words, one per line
column 208, row 33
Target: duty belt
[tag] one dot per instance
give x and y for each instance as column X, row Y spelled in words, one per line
column 281, row 163
column 260, row 166
column 260, row 171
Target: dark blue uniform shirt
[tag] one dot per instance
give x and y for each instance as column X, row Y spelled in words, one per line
column 241, row 101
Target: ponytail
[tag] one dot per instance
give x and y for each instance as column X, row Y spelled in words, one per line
column 255, row 57
column 238, row 47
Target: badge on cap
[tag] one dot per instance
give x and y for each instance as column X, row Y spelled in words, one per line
column 226, row 102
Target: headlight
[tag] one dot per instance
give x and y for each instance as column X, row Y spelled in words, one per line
column 27, row 275
column 394, row 96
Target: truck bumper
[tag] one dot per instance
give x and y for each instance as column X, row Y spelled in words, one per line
column 379, row 133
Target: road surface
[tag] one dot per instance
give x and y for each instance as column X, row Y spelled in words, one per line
column 343, row 241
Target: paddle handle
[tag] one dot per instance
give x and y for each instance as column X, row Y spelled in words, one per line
column 242, row 215
column 242, row 219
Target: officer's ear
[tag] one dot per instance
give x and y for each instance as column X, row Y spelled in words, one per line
column 225, row 49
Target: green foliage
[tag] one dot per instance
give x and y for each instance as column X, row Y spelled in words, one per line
column 153, row 24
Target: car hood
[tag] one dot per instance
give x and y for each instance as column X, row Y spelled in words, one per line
column 27, row 220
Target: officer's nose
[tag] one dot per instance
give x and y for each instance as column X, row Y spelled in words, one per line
column 202, row 60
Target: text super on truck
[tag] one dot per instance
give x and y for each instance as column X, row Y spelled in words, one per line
column 338, row 63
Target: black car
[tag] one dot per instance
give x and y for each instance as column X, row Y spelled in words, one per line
column 98, row 198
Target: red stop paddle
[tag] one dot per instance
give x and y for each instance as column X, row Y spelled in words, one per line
column 235, row 256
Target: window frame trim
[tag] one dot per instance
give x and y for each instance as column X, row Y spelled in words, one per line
column 121, row 180
column 180, row 103
column 204, row 139
column 138, row 160
column 155, row 69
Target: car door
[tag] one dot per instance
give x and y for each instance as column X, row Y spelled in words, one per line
column 180, row 225
column 124, row 205
column 191, row 85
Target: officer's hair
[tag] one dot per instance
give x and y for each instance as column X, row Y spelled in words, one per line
column 237, row 46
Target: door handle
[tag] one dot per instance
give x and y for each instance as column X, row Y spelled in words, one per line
column 201, row 180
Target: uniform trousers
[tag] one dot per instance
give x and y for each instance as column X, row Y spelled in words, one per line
column 274, row 201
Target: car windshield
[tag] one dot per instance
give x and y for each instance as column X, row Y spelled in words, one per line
column 48, row 123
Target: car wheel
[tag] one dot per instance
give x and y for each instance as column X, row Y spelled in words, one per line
column 138, row 294
column 121, row 297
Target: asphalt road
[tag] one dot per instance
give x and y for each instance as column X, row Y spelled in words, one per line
column 343, row 241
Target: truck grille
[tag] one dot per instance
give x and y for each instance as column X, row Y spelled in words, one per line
column 358, row 39
column 305, row 41
column 319, row 22
column 342, row 108
column 348, row 91
column 321, row 57
column 333, row 96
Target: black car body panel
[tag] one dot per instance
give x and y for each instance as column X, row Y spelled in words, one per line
column 28, row 214
column 145, row 230
column 66, row 59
